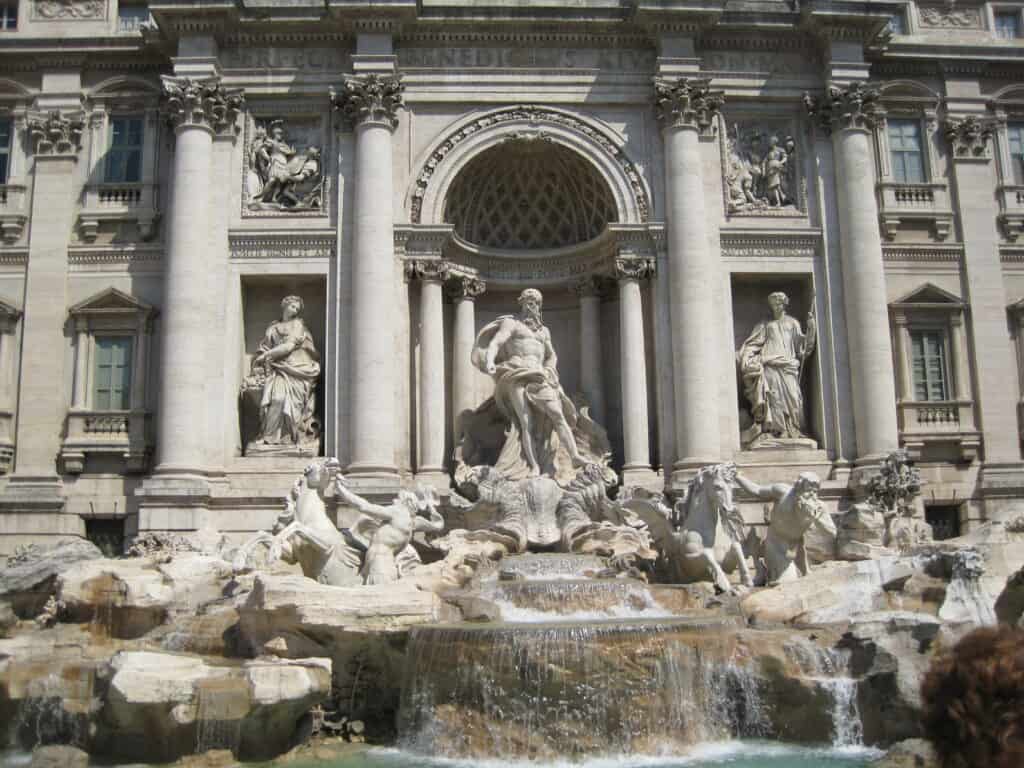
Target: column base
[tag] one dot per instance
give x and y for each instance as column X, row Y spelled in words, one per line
column 641, row 474
column 435, row 478
column 33, row 493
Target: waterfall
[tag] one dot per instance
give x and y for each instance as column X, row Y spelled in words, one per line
column 221, row 704
column 549, row 690
column 57, row 708
column 579, row 600
column 828, row 667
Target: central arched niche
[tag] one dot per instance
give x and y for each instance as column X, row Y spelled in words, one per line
column 529, row 194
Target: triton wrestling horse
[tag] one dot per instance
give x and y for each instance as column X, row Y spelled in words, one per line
column 708, row 542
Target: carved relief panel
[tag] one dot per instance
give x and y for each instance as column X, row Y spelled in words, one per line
column 57, row 10
column 284, row 170
column 761, row 168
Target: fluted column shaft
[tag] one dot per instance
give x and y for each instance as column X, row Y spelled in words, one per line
column 463, row 292
column 370, row 103
column 687, row 108
column 591, row 377
column 633, row 367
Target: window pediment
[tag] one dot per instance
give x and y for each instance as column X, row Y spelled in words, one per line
column 111, row 303
column 929, row 296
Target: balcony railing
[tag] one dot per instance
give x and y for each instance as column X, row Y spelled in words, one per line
column 123, row 434
column 1011, row 207
column 12, row 211
column 903, row 203
column 939, row 421
column 118, row 202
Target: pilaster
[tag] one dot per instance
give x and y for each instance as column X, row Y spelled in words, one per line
column 463, row 291
column 590, row 290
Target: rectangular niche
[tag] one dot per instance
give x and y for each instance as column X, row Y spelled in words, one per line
column 284, row 163
column 750, row 307
column 261, row 307
column 762, row 167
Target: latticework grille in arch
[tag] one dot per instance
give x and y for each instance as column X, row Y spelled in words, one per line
column 529, row 193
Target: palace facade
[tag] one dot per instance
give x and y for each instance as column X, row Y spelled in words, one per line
column 170, row 173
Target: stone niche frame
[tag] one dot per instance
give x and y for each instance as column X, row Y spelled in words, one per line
column 785, row 126
column 261, row 295
column 122, row 434
column 899, row 203
column 1008, row 107
column 596, row 142
column 129, row 201
column 314, row 130
column 748, row 294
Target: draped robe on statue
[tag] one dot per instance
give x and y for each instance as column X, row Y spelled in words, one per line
column 287, row 405
column 770, row 364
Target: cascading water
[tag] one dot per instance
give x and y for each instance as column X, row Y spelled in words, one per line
column 220, row 707
column 826, row 667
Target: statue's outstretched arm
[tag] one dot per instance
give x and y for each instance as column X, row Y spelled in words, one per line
column 432, row 524
column 762, row 492
column 369, row 509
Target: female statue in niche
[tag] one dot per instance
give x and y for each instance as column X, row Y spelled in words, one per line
column 286, row 367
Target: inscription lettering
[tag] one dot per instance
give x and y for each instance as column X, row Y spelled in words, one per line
column 311, row 59
column 630, row 60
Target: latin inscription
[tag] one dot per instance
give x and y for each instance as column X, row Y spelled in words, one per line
column 311, row 59
column 546, row 58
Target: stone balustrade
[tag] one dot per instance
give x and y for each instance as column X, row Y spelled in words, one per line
column 939, row 421
column 1011, row 207
column 902, row 203
column 121, row 434
column 118, row 202
column 12, row 211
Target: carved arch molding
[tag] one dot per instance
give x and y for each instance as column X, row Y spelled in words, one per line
column 598, row 145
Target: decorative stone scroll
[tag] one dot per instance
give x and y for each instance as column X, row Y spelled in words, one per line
column 465, row 287
column 687, row 102
column 633, row 268
column 370, row 98
column 535, row 115
column 427, row 269
column 56, row 10
column 282, row 175
column 55, row 133
column 969, row 137
column 858, row 106
column 760, row 170
column 200, row 102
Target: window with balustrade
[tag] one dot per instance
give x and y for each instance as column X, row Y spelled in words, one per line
column 912, row 197
column 124, row 156
column 109, row 415
column 935, row 404
column 131, row 16
column 1006, row 23
column 8, row 15
column 5, row 148
column 1007, row 107
column 1015, row 139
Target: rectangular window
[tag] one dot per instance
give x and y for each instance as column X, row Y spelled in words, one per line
column 112, row 387
column 131, row 17
column 5, row 149
column 1015, row 131
column 124, row 158
column 928, row 350
column 8, row 14
column 897, row 24
column 905, row 148
column 944, row 520
column 1007, row 25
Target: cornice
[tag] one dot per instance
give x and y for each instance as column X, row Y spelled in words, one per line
column 747, row 244
column 922, row 253
column 265, row 245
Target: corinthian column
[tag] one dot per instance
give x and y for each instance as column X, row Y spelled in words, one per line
column 371, row 103
column 686, row 108
column 463, row 292
column 198, row 109
column 850, row 115
column 431, row 430
column 633, row 369
column 589, row 290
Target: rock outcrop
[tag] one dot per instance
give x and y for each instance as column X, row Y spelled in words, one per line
column 29, row 580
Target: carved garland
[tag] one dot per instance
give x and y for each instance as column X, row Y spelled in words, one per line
column 531, row 114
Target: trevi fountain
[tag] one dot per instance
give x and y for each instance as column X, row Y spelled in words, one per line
column 541, row 612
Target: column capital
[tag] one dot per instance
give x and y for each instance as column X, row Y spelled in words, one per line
column 465, row 287
column 427, row 270
column 371, row 98
column 200, row 102
column 56, row 133
column 854, row 107
column 969, row 137
column 687, row 102
column 633, row 268
column 590, row 286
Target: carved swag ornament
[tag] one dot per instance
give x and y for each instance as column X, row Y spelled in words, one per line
column 200, row 102
column 54, row 133
column 841, row 108
column 52, row 10
column 370, row 98
column 969, row 137
column 687, row 101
